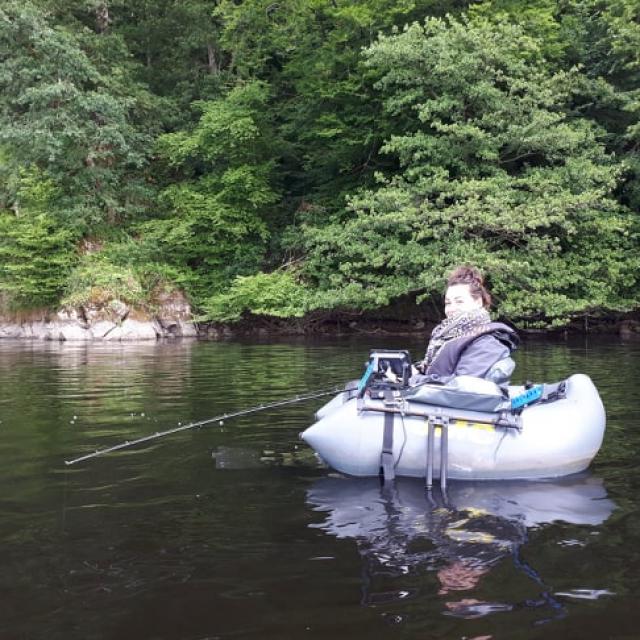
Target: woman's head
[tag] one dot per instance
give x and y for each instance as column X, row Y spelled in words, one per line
column 465, row 292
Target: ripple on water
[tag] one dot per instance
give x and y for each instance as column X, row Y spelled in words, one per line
column 198, row 533
column 585, row 594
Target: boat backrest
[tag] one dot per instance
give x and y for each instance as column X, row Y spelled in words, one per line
column 462, row 392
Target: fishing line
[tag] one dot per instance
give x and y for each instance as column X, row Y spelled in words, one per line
column 220, row 418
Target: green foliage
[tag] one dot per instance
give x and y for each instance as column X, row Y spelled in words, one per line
column 278, row 294
column 96, row 281
column 203, row 144
column 36, row 257
column 538, row 19
column 604, row 38
column 495, row 171
column 218, row 212
column 177, row 45
column 119, row 270
column 75, row 118
column 137, row 256
column 328, row 111
column 36, row 253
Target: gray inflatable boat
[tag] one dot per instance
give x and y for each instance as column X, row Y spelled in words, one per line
column 467, row 429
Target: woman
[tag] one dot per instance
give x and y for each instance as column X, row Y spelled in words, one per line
column 467, row 342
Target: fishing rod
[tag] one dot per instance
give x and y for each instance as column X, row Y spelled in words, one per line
column 221, row 418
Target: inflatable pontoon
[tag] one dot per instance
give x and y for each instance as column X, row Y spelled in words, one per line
column 466, row 429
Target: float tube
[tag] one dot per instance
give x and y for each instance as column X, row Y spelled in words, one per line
column 466, row 429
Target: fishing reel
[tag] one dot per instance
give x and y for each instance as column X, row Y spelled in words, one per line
column 386, row 370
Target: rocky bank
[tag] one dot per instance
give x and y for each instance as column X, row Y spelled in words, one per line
column 113, row 321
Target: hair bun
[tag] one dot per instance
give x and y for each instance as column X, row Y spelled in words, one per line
column 474, row 278
column 466, row 275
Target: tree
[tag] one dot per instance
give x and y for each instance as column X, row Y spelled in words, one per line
column 177, row 46
column 219, row 204
column 327, row 111
column 36, row 253
column 604, row 39
column 70, row 111
column 495, row 170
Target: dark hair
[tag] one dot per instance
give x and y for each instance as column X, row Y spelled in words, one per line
column 472, row 277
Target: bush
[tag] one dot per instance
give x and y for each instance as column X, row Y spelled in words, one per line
column 37, row 253
column 276, row 294
column 96, row 281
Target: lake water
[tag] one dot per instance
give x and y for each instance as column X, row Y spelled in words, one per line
column 235, row 531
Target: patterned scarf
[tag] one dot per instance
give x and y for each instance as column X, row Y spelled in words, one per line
column 462, row 324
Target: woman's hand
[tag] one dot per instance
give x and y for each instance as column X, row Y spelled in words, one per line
column 389, row 375
column 417, row 368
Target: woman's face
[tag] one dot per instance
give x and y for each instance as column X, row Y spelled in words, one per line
column 458, row 299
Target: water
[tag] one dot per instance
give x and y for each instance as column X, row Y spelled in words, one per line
column 235, row 531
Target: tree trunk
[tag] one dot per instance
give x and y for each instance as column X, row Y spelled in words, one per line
column 213, row 63
column 102, row 17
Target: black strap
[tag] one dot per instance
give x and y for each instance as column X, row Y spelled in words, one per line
column 386, row 459
column 431, row 430
column 444, row 452
column 387, row 448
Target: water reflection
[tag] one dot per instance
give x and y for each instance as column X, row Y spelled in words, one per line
column 407, row 537
column 205, row 534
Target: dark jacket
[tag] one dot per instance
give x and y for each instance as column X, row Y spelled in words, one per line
column 474, row 355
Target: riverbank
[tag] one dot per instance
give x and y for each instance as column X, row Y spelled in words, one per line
column 625, row 327
column 116, row 322
column 110, row 321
